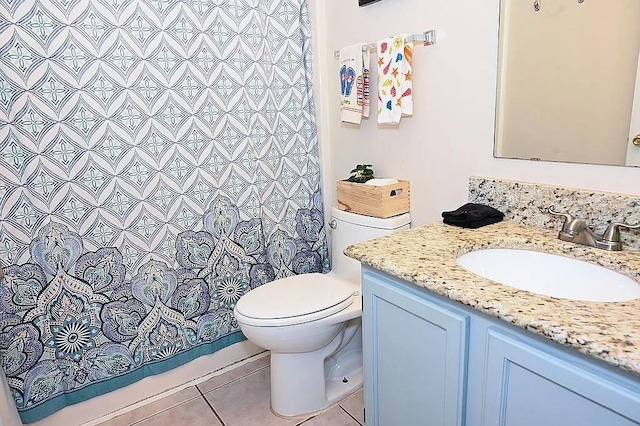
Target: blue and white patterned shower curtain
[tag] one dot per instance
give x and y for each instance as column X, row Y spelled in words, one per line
column 158, row 159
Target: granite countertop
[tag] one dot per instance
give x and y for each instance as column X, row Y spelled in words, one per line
column 426, row 256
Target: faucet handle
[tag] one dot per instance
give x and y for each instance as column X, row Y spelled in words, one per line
column 612, row 233
column 567, row 217
column 570, row 222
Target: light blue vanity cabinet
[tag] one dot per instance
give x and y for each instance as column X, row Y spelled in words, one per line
column 529, row 385
column 432, row 361
column 414, row 355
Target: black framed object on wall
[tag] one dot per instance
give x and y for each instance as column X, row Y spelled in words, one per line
column 366, row 2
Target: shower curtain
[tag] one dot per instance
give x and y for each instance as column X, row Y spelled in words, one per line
column 158, row 159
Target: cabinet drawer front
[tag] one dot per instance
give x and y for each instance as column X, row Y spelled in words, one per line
column 527, row 386
column 415, row 358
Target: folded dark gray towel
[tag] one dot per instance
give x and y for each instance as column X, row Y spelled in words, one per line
column 472, row 216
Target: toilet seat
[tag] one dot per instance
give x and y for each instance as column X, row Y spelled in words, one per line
column 294, row 300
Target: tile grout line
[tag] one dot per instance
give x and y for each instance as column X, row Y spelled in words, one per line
column 211, row 407
column 117, row 412
column 201, row 394
column 232, row 381
column 350, row 415
column 161, row 411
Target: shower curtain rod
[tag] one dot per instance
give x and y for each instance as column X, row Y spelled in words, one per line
column 427, row 37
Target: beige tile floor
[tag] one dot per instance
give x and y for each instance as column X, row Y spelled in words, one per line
column 239, row 397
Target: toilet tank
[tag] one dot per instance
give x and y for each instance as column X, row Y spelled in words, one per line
column 350, row 228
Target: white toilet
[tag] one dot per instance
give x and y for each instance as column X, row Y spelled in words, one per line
column 312, row 323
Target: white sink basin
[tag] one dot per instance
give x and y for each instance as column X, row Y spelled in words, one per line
column 551, row 275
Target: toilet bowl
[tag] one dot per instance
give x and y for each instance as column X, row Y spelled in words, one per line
column 312, row 323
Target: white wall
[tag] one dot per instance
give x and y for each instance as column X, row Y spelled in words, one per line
column 450, row 136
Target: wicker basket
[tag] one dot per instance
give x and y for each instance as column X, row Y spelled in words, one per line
column 377, row 201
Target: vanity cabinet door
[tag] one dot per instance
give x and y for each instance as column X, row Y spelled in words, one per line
column 527, row 386
column 414, row 357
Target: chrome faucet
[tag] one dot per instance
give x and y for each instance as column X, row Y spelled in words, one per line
column 576, row 231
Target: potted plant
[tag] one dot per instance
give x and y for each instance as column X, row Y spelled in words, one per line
column 361, row 173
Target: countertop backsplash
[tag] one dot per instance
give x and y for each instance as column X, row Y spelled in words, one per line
column 527, row 203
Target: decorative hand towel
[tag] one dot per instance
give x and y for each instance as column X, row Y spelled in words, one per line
column 395, row 91
column 364, row 84
column 350, row 72
column 472, row 216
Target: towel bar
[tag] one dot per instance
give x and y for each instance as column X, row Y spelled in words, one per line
column 427, row 37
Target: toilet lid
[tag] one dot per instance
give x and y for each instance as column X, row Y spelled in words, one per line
column 294, row 300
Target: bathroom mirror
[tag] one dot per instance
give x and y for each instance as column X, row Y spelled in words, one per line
column 569, row 81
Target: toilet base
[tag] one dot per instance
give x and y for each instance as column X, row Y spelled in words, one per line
column 346, row 380
column 304, row 383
